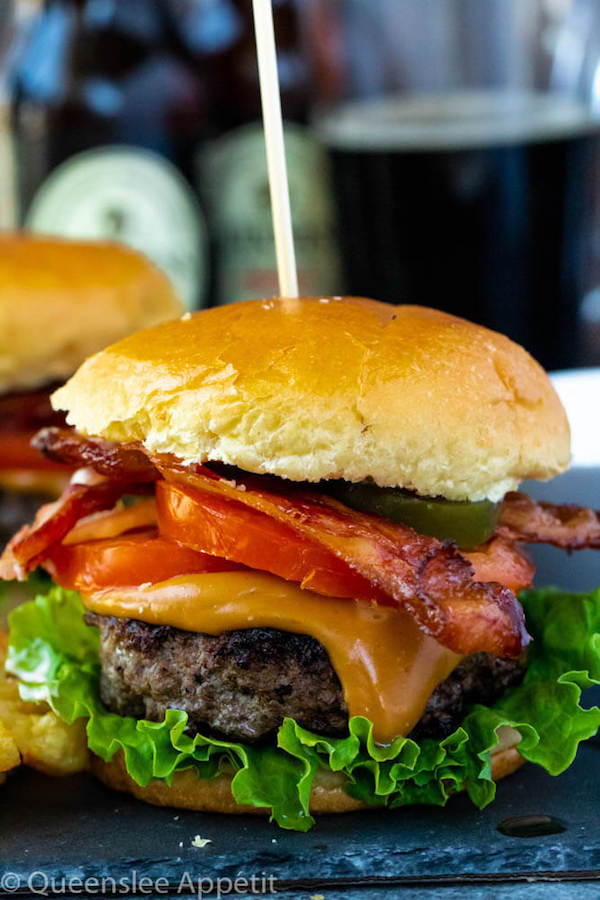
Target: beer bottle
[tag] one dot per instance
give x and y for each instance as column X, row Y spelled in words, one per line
column 464, row 158
column 108, row 115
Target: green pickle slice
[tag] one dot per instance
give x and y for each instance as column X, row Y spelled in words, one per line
column 467, row 523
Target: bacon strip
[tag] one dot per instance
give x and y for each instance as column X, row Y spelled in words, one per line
column 522, row 519
column 433, row 581
column 28, row 548
column 119, row 461
column 428, row 578
column 567, row 526
column 502, row 560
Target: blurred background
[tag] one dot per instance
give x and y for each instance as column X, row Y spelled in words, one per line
column 443, row 152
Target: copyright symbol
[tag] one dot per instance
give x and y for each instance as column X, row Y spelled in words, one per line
column 10, row 882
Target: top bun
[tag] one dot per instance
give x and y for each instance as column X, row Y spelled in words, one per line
column 62, row 300
column 331, row 388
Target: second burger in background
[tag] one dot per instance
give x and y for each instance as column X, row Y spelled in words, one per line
column 60, row 301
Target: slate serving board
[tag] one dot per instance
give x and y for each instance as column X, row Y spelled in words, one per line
column 77, row 828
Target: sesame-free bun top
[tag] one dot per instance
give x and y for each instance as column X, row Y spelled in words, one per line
column 62, row 300
column 331, row 388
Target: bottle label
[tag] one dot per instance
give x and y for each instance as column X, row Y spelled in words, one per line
column 233, row 175
column 131, row 195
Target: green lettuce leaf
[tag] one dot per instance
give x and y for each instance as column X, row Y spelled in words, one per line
column 55, row 655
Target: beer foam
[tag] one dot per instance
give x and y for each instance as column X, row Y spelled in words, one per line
column 454, row 120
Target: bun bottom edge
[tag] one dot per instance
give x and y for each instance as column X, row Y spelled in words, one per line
column 187, row 791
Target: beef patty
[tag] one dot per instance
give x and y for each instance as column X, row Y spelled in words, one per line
column 241, row 684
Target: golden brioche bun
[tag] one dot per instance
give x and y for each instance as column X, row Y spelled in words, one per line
column 331, row 388
column 187, row 791
column 62, row 300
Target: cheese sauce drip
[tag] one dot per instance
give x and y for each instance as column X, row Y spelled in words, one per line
column 387, row 666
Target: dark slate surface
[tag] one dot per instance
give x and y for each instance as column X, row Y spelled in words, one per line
column 522, row 891
column 77, row 828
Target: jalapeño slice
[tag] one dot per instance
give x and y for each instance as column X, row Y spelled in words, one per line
column 467, row 523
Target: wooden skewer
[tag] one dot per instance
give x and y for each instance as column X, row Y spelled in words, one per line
column 276, row 162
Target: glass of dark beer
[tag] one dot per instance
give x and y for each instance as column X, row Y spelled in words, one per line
column 464, row 143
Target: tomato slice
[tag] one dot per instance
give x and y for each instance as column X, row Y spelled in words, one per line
column 219, row 526
column 126, row 561
column 16, row 452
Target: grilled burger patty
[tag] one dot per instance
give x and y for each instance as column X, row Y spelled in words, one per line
column 241, row 684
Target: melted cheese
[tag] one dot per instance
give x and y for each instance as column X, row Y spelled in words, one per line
column 387, row 667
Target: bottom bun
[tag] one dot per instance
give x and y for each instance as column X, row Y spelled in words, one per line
column 187, row 791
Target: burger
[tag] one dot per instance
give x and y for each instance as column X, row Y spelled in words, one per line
column 60, row 301
column 289, row 572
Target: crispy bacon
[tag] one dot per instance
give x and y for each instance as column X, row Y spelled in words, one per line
column 430, row 579
column 522, row 519
column 567, row 526
column 28, row 548
column 505, row 557
column 120, row 461
column 446, row 591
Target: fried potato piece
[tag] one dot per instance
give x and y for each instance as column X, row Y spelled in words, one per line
column 37, row 736
column 9, row 752
column 10, row 757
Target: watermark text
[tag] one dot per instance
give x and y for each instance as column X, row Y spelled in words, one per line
column 188, row 884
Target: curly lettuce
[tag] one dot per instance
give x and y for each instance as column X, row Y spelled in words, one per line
column 55, row 655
